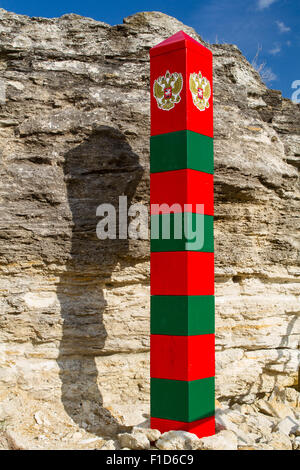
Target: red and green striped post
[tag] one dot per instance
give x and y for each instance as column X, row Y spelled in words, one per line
column 182, row 351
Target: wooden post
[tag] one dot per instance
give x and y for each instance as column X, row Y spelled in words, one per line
column 182, row 272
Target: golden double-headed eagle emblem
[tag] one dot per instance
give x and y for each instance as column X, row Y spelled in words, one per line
column 201, row 91
column 166, row 90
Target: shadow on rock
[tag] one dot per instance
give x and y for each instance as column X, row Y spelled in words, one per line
column 97, row 171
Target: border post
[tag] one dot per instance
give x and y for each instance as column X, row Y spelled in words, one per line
column 182, row 345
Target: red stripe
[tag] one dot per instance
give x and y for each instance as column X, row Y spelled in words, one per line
column 182, row 187
column 182, row 273
column 182, row 357
column 202, row 427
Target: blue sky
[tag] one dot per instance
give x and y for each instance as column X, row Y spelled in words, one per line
column 270, row 26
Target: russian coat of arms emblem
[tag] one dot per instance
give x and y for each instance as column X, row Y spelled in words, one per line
column 201, row 91
column 167, row 89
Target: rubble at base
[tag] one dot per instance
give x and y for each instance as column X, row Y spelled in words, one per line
column 268, row 424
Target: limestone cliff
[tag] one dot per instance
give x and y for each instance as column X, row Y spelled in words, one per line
column 74, row 310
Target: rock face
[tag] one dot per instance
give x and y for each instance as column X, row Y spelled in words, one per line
column 74, row 310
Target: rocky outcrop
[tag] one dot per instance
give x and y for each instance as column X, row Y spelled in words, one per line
column 74, row 310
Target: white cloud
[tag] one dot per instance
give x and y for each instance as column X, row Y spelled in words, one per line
column 282, row 27
column 262, row 4
column 276, row 49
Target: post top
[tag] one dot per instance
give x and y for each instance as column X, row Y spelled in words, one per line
column 179, row 40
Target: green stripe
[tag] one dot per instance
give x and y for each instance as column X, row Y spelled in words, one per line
column 182, row 315
column 180, row 150
column 167, row 228
column 181, row 400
